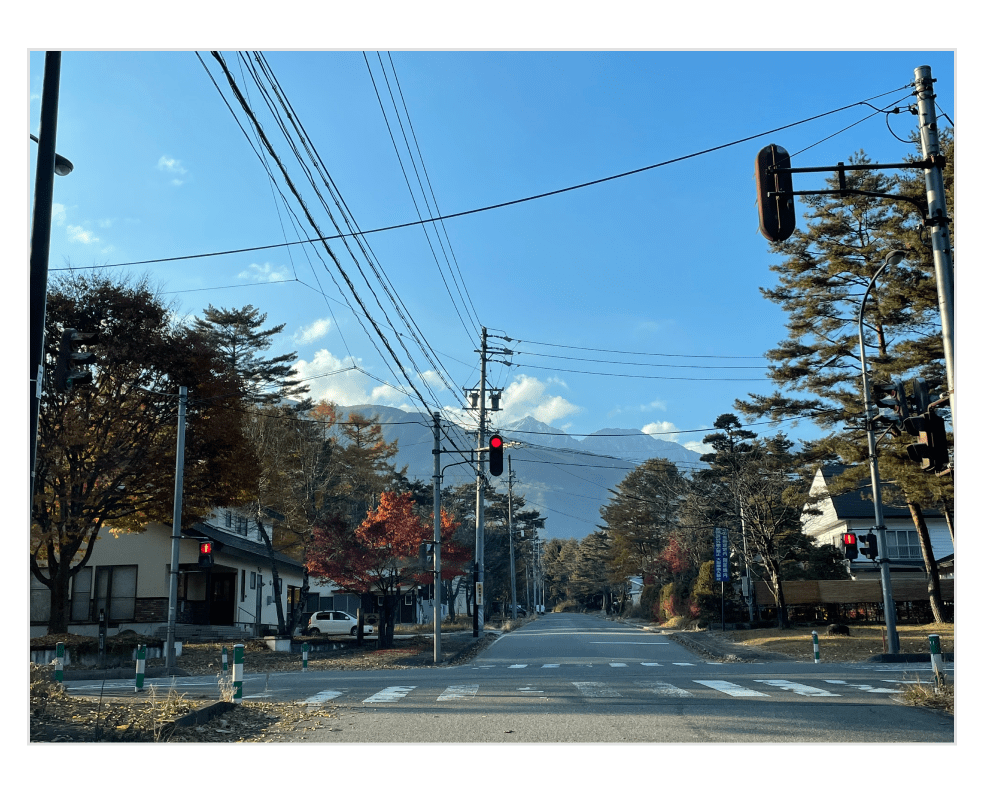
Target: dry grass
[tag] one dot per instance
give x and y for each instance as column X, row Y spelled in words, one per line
column 862, row 643
column 924, row 695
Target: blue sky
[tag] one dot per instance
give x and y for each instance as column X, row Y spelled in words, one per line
column 659, row 268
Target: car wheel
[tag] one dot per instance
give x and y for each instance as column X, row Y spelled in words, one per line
column 353, row 631
column 314, row 631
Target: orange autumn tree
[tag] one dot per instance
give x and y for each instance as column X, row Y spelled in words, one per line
column 380, row 558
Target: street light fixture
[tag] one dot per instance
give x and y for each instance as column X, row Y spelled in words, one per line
column 63, row 166
column 893, row 258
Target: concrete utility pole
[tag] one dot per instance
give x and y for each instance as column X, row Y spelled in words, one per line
column 478, row 620
column 172, row 599
column 512, row 556
column 437, row 537
column 939, row 221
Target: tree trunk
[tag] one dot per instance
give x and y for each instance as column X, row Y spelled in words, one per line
column 60, row 610
column 281, row 623
column 932, row 570
column 947, row 510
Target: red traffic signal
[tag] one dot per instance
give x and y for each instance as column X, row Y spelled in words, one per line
column 205, row 548
column 850, row 546
column 495, row 454
column 205, row 554
column 777, row 213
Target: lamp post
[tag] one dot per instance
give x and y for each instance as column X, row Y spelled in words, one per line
column 49, row 164
column 893, row 258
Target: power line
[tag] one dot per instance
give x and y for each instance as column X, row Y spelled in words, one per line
column 500, row 205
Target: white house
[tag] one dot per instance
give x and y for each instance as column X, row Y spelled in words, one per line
column 855, row 512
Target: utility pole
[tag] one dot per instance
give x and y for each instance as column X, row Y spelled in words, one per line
column 437, row 537
column 938, row 220
column 172, row 599
column 512, row 556
column 478, row 618
column 44, row 183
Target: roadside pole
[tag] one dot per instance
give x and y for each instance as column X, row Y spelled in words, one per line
column 512, row 554
column 172, row 599
column 939, row 223
column 437, row 538
column 478, row 624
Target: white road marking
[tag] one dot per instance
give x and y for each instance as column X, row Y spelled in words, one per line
column 458, row 691
column 666, row 689
column 388, row 695
column 324, row 695
column 518, row 666
column 864, row 688
column 596, row 690
column 730, row 688
column 683, row 663
column 617, row 665
column 656, row 664
column 797, row 688
column 551, row 665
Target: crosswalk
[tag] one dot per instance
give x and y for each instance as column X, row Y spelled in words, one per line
column 636, row 690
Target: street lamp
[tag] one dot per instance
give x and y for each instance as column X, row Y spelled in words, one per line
column 893, row 258
column 48, row 165
column 63, row 166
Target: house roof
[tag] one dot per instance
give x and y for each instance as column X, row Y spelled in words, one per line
column 247, row 549
column 857, row 504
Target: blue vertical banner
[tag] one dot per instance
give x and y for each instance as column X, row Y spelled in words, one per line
column 722, row 553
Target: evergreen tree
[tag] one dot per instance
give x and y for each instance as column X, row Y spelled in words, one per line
column 239, row 335
column 826, row 270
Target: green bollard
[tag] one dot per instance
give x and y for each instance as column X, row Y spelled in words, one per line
column 225, row 659
column 141, row 664
column 816, row 647
column 59, row 662
column 238, row 654
column 937, row 657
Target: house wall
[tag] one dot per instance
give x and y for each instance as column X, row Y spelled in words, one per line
column 150, row 552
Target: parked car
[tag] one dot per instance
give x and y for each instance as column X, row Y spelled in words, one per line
column 520, row 611
column 335, row 622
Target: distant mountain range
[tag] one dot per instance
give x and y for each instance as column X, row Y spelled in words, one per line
column 566, row 479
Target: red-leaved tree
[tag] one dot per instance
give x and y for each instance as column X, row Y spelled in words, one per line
column 380, row 558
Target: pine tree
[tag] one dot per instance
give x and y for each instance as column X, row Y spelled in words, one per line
column 826, row 270
column 239, row 335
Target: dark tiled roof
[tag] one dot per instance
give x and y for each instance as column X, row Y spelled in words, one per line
column 858, row 505
column 248, row 549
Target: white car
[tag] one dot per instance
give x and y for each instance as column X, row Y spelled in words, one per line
column 335, row 622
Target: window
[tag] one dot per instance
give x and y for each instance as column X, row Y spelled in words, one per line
column 252, row 580
column 40, row 600
column 408, row 599
column 81, row 594
column 228, row 518
column 903, row 545
column 116, row 592
column 241, row 524
column 242, row 587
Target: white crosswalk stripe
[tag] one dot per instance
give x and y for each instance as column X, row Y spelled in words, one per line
column 730, row 688
column 389, row 695
column 865, row 688
column 596, row 690
column 518, row 666
column 324, row 695
column 666, row 689
column 454, row 692
column 618, row 665
column 797, row 688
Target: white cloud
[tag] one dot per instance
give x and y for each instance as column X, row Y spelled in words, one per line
column 171, row 165
column 265, row 273
column 348, row 388
column 312, row 332
column 77, row 234
column 670, row 433
column 528, row 396
column 58, row 214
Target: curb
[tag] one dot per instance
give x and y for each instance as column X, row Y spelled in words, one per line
column 907, row 658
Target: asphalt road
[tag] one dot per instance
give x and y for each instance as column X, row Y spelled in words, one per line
column 576, row 678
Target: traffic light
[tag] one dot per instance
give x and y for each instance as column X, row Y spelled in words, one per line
column 425, row 556
column 931, row 451
column 892, row 404
column 850, row 546
column 66, row 374
column 205, row 555
column 495, row 454
column 870, row 550
column 777, row 213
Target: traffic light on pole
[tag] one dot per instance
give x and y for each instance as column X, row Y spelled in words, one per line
column 870, row 550
column 931, row 451
column 66, row 374
column 777, row 213
column 495, row 454
column 850, row 546
column 205, row 555
column 893, row 406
